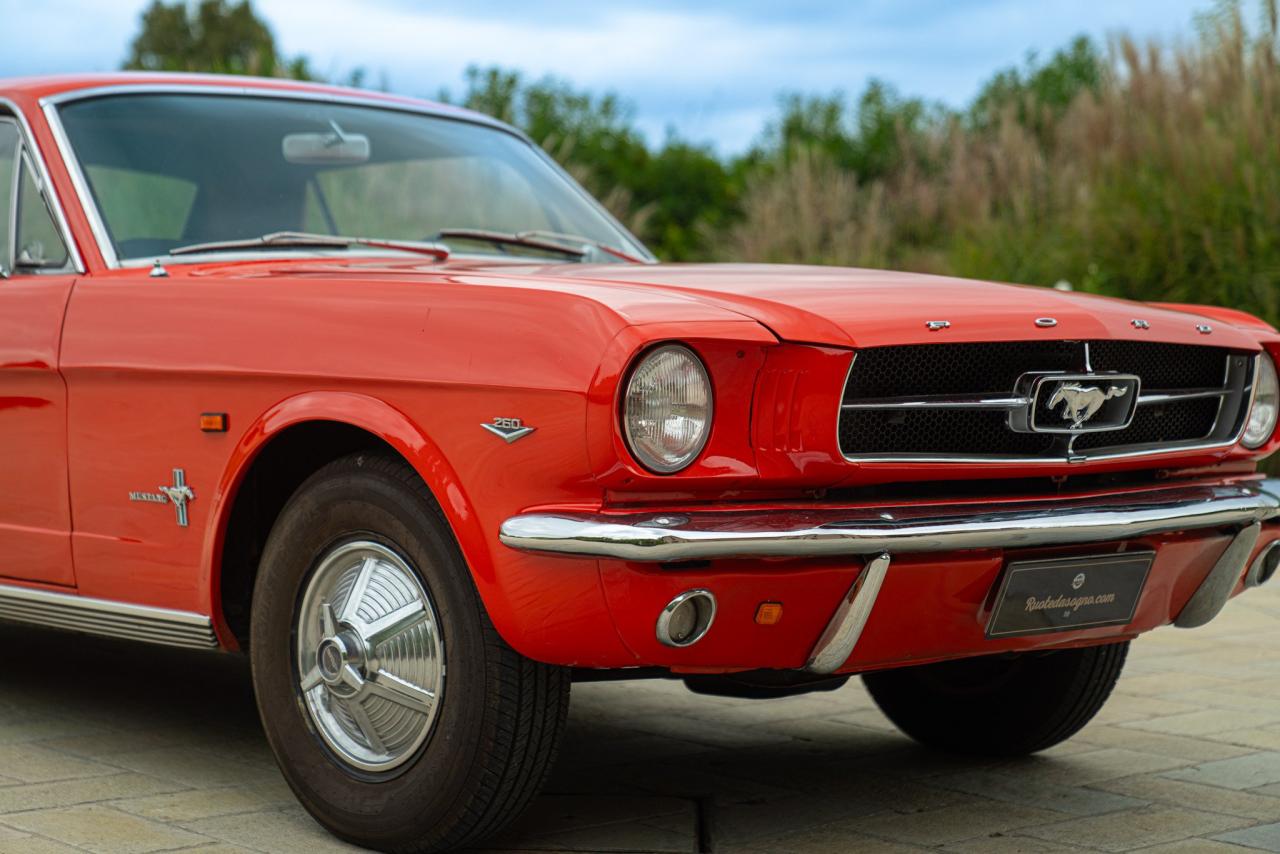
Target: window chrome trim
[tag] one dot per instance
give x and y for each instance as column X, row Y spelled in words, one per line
column 319, row 256
column 10, row 262
column 46, row 188
column 1248, row 389
column 51, row 104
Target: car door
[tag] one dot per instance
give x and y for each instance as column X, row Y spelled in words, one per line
column 36, row 277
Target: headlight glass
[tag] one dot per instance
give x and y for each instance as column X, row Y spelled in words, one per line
column 1266, row 406
column 666, row 412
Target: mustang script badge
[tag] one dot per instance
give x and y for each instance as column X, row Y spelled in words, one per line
column 178, row 495
column 1083, row 402
column 508, row 429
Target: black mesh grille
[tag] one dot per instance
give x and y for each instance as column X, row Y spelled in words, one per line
column 939, row 431
column 1158, row 425
column 993, row 369
column 956, row 368
column 1162, row 366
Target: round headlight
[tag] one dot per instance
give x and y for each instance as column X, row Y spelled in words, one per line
column 1266, row 405
column 666, row 411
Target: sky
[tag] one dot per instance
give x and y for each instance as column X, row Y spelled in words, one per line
column 710, row 70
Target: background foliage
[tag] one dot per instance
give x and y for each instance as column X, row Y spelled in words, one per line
column 1146, row 171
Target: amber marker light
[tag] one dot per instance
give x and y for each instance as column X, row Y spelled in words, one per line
column 213, row 422
column 769, row 613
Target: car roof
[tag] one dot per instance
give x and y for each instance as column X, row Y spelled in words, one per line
column 63, row 85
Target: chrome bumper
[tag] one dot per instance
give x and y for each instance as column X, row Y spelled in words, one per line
column 703, row 535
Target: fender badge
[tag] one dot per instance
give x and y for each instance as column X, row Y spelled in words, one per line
column 508, row 429
column 178, row 495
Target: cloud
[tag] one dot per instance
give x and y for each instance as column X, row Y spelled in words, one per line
column 712, row 69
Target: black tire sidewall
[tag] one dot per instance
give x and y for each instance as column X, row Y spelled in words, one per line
column 1042, row 699
column 339, row 503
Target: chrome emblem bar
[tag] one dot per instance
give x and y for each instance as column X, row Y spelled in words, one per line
column 179, row 495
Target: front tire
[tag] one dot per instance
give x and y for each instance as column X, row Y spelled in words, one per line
column 396, row 713
column 999, row 705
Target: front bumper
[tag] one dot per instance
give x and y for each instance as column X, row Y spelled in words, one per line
column 924, row 569
column 706, row 535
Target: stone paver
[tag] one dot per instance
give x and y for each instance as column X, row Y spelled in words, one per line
column 1265, row 837
column 114, row 748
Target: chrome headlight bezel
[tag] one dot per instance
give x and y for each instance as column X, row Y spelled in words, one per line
column 642, row 447
column 1264, row 412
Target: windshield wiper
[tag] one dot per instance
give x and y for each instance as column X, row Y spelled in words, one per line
column 512, row 238
column 546, row 241
column 319, row 241
column 587, row 241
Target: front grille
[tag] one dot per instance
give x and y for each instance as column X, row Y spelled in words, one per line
column 951, row 401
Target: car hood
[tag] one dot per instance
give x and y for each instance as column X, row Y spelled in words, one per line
column 865, row 308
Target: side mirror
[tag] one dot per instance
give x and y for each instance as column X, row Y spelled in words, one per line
column 320, row 149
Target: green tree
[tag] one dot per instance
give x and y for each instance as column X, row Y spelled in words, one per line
column 1040, row 93
column 870, row 137
column 215, row 36
column 673, row 196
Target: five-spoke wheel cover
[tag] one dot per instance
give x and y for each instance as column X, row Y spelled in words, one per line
column 370, row 658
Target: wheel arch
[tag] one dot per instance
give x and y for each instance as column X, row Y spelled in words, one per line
column 276, row 453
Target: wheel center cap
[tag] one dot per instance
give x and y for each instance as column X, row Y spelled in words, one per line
column 332, row 656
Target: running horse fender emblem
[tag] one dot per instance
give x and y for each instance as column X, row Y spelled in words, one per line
column 1082, row 402
column 179, row 495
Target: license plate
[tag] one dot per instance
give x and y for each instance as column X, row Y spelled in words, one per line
column 1039, row 596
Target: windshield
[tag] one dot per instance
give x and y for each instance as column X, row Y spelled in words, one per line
column 168, row 171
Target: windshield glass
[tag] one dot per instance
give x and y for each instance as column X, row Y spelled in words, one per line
column 171, row 170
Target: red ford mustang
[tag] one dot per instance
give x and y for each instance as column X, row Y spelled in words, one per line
column 369, row 390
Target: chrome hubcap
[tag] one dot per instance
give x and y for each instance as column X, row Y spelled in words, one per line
column 370, row 656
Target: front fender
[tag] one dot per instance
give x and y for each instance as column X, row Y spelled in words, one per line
column 367, row 413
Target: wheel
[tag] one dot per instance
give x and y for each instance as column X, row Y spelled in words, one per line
column 1003, row 705
column 397, row 715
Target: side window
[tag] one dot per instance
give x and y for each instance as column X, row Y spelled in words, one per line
column 39, row 246
column 29, row 238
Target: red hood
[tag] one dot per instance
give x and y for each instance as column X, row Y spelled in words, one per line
column 837, row 306
column 863, row 308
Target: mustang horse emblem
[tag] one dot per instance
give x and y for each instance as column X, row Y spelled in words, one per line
column 1082, row 402
column 179, row 495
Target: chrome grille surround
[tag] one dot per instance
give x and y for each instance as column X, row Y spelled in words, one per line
column 941, row 426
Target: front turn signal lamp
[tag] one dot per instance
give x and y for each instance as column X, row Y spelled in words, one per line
column 666, row 408
column 1266, row 405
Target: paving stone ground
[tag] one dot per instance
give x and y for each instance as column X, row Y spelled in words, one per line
column 110, row 747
